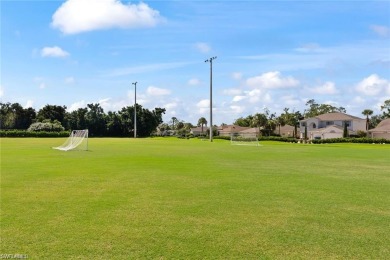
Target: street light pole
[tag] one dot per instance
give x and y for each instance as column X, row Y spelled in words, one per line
column 211, row 95
column 135, row 109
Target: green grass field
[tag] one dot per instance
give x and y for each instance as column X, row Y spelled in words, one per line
column 191, row 199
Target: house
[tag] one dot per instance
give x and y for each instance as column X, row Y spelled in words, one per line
column 227, row 130
column 286, row 131
column 331, row 125
column 198, row 131
column 381, row 131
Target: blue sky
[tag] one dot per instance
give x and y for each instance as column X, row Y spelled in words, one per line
column 271, row 54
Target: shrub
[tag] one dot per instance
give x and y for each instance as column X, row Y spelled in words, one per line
column 46, row 127
column 24, row 133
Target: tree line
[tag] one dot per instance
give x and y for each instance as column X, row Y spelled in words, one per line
column 121, row 123
column 91, row 117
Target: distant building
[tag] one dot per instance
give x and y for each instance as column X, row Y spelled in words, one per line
column 381, row 131
column 331, row 125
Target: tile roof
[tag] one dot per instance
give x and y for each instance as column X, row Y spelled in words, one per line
column 384, row 125
column 336, row 116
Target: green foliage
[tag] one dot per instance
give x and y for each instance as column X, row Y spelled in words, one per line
column 352, row 140
column 316, row 109
column 46, row 127
column 24, row 133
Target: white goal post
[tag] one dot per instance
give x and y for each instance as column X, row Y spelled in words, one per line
column 244, row 139
column 78, row 140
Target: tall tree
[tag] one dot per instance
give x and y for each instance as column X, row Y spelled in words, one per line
column 52, row 112
column 95, row 118
column 386, row 109
column 315, row 109
column 367, row 113
column 201, row 122
column 259, row 120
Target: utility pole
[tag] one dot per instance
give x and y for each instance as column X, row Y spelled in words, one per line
column 135, row 109
column 211, row 95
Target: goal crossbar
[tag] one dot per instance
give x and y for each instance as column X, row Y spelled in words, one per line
column 75, row 140
column 244, row 139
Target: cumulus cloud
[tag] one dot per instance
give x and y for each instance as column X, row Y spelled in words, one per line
column 383, row 31
column 154, row 91
column 272, row 80
column 29, row 103
column 76, row 16
column 237, row 75
column 42, row 85
column 194, row 82
column 237, row 109
column 238, row 98
column 231, row 91
column 326, row 89
column 77, row 105
column 54, row 51
column 203, row 47
column 373, row 85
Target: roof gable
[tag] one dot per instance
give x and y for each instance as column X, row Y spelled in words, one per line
column 336, row 116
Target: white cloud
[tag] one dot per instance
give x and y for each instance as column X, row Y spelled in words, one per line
column 238, row 98
column 54, row 51
column 326, row 89
column 383, row 31
column 237, row 109
column 289, row 100
column 77, row 105
column 154, row 91
column 204, row 103
column 237, row 75
column 203, row 47
column 170, row 105
column 272, row 80
column 232, row 92
column 76, row 16
column 373, row 85
column 42, row 85
column 194, row 82
column 29, row 103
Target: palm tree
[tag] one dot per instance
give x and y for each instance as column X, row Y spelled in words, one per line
column 201, row 122
column 367, row 112
column 174, row 119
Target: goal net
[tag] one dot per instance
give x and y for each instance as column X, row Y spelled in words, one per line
column 244, row 139
column 78, row 140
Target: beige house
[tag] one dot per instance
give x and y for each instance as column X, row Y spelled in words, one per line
column 331, row 125
column 227, row 130
column 286, row 131
column 198, row 130
column 381, row 131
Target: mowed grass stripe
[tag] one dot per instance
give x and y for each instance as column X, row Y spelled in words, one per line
column 173, row 198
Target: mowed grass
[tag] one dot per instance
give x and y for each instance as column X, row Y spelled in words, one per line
column 190, row 199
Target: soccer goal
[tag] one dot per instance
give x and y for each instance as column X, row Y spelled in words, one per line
column 244, row 139
column 78, row 140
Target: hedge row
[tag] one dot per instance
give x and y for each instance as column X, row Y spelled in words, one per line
column 24, row 133
column 352, row 140
column 265, row 138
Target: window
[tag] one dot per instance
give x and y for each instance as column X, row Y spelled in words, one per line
column 314, row 125
column 329, row 123
column 303, row 124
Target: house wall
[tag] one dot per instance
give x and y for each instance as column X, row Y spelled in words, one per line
column 380, row 135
